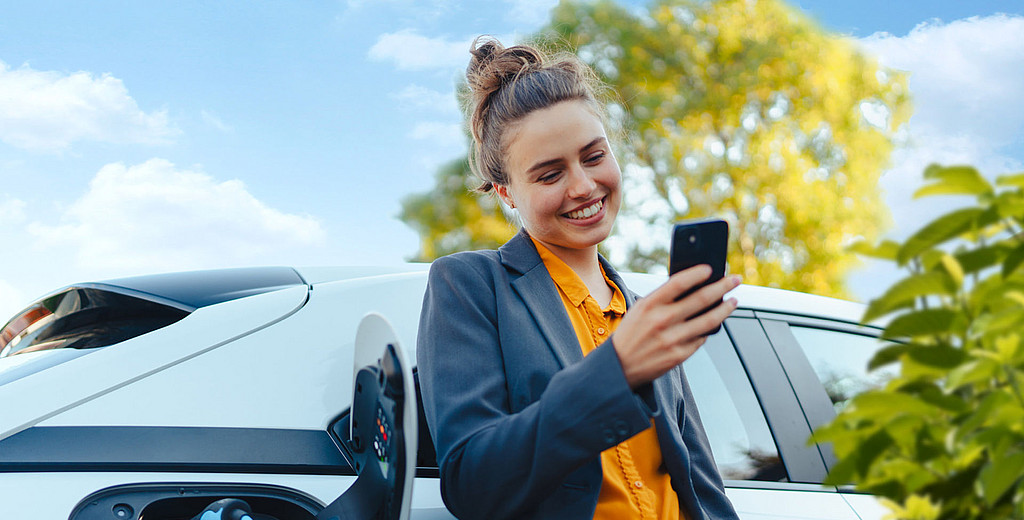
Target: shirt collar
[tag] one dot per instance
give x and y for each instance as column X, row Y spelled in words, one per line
column 570, row 283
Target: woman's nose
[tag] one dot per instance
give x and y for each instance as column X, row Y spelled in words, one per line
column 581, row 185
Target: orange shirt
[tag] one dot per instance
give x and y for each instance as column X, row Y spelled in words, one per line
column 634, row 484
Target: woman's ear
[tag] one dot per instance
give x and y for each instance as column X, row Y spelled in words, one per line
column 504, row 195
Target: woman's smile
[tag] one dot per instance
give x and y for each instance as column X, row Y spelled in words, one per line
column 586, row 212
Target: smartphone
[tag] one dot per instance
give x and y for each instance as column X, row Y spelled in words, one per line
column 700, row 242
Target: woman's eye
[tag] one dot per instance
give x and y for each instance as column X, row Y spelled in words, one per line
column 594, row 158
column 549, row 177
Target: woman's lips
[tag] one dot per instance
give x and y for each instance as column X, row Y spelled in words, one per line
column 586, row 212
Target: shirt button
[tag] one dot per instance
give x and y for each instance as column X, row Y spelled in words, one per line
column 638, row 484
column 600, row 330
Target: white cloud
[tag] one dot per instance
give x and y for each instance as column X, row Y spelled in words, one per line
column 420, row 97
column 442, row 133
column 412, row 11
column 531, row 12
column 12, row 212
column 966, row 76
column 11, row 301
column 12, row 220
column 211, row 119
column 409, row 50
column 965, row 81
column 48, row 111
column 154, row 216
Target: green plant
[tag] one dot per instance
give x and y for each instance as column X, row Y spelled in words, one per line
column 945, row 438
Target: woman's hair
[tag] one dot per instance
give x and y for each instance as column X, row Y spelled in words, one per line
column 506, row 84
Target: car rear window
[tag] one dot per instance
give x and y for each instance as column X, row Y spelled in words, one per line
column 84, row 317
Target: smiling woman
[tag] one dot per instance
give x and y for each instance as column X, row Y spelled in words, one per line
column 536, row 358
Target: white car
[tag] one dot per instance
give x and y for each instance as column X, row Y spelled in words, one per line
column 151, row 397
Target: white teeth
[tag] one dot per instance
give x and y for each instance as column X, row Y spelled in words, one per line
column 586, row 212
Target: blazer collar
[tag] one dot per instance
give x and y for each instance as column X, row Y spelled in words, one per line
column 538, row 291
column 519, row 253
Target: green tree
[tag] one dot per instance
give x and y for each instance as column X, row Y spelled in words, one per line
column 945, row 438
column 744, row 110
column 452, row 218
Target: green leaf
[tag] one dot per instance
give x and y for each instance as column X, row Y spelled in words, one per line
column 999, row 475
column 1009, row 319
column 920, row 323
column 886, row 405
column 949, row 402
column 903, row 293
column 938, row 231
column 953, row 180
column 1013, row 261
column 885, row 250
column 938, row 356
column 1015, row 180
column 1010, row 204
column 956, row 272
column 859, row 462
column 974, row 260
column 972, row 372
column 887, row 355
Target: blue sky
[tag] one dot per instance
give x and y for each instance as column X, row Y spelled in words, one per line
column 140, row 137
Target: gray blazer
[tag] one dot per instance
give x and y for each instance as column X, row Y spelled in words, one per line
column 519, row 417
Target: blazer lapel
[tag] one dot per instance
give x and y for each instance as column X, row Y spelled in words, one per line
column 535, row 286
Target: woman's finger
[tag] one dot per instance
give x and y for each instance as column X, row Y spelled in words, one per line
column 699, row 326
column 679, row 283
column 705, row 297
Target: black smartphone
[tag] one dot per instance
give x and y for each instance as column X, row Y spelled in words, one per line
column 700, row 242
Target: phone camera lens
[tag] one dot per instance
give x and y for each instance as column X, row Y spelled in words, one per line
column 693, row 239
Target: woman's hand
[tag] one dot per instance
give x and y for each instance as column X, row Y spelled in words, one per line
column 657, row 334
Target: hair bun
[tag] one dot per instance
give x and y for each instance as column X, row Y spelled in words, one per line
column 493, row 65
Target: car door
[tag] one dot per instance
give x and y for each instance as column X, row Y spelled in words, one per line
column 826, row 362
column 757, row 428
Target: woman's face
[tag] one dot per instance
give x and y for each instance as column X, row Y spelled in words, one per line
column 563, row 178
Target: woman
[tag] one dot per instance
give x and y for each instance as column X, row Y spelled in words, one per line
column 536, row 408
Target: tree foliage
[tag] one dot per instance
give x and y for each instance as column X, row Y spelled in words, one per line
column 452, row 218
column 945, row 438
column 744, row 110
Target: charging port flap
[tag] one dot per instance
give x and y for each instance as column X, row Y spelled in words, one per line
column 383, row 428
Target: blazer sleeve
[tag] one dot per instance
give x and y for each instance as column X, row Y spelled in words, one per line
column 494, row 463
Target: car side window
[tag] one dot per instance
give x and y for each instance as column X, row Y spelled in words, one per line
column 735, row 424
column 840, row 360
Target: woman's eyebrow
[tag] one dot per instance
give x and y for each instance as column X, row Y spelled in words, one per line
column 543, row 164
column 550, row 162
column 597, row 140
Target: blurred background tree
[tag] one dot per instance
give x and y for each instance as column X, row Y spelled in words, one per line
column 739, row 109
column 452, row 218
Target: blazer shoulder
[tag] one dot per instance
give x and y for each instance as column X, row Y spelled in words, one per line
column 466, row 266
column 483, row 258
